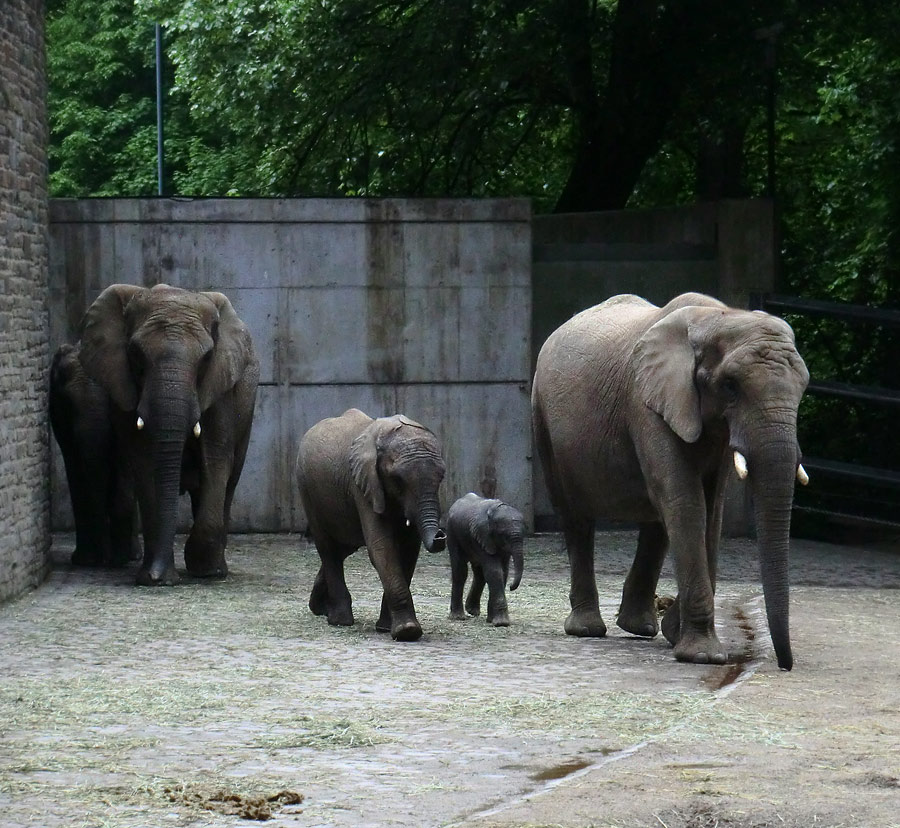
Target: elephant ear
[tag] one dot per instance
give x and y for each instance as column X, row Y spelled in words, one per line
column 480, row 526
column 232, row 352
column 364, row 452
column 104, row 341
column 665, row 360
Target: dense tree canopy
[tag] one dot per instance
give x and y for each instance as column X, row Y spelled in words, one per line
column 580, row 104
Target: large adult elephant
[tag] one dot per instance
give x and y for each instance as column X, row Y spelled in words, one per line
column 638, row 414
column 373, row 483
column 180, row 369
column 100, row 485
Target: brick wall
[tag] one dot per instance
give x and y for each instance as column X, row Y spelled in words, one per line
column 24, row 330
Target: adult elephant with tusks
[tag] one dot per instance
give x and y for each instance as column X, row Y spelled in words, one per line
column 373, row 483
column 639, row 413
column 182, row 374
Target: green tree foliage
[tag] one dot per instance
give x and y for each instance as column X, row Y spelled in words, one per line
column 101, row 99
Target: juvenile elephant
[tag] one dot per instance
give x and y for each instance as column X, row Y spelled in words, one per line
column 100, row 487
column 485, row 533
column 372, row 483
column 638, row 414
column 181, row 372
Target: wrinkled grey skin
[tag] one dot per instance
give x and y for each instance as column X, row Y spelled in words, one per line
column 637, row 411
column 371, row 483
column 100, row 487
column 173, row 358
column 485, row 533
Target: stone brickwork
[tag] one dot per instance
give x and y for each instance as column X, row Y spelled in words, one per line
column 24, row 328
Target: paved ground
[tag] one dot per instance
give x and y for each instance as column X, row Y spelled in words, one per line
column 212, row 704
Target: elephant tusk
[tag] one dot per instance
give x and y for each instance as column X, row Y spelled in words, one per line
column 740, row 465
column 407, row 522
column 802, row 476
column 140, row 423
column 197, row 429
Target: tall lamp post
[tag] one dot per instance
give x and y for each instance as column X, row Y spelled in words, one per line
column 160, row 156
column 769, row 38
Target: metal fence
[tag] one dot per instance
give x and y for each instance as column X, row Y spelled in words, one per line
column 850, row 492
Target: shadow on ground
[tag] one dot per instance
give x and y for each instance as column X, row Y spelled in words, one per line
column 217, row 703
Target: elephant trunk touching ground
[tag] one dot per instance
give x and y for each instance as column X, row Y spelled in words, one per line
column 168, row 411
column 772, row 470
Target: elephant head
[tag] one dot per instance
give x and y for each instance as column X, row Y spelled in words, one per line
column 500, row 531
column 397, row 465
column 703, row 365
column 165, row 356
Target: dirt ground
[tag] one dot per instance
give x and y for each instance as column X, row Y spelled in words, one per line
column 217, row 704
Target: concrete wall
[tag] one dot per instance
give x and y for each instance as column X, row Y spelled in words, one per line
column 24, row 355
column 414, row 306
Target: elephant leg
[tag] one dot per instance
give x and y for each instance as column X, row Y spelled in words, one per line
column 124, row 541
column 473, row 600
column 331, row 584
column 459, row 572
column 637, row 612
column 87, row 488
column 204, row 551
column 585, row 619
column 693, row 613
column 408, row 556
column 715, row 505
column 497, row 609
column 318, row 596
column 397, row 603
column 714, row 490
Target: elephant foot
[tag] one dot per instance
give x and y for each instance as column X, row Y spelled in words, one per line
column 458, row 615
column 124, row 555
column 84, row 557
column 700, row 648
column 585, row 623
column 643, row 623
column 148, row 576
column 205, row 558
column 340, row 616
column 501, row 619
column 406, row 630
column 213, row 570
column 473, row 609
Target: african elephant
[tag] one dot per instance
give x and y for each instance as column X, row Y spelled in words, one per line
column 637, row 414
column 100, row 486
column 373, row 483
column 180, row 369
column 485, row 533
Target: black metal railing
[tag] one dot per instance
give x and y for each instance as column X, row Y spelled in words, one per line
column 849, row 477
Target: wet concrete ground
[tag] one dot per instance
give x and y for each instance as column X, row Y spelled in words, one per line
column 193, row 705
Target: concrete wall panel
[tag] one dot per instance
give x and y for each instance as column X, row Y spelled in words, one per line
column 411, row 306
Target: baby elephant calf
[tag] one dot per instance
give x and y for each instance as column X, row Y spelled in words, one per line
column 485, row 533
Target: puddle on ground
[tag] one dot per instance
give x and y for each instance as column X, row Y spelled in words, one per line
column 559, row 771
column 719, row 677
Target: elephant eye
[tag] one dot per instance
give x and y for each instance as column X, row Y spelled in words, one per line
column 730, row 388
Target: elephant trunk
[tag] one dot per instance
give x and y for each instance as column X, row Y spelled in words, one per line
column 518, row 559
column 167, row 458
column 773, row 472
column 427, row 522
column 169, row 417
